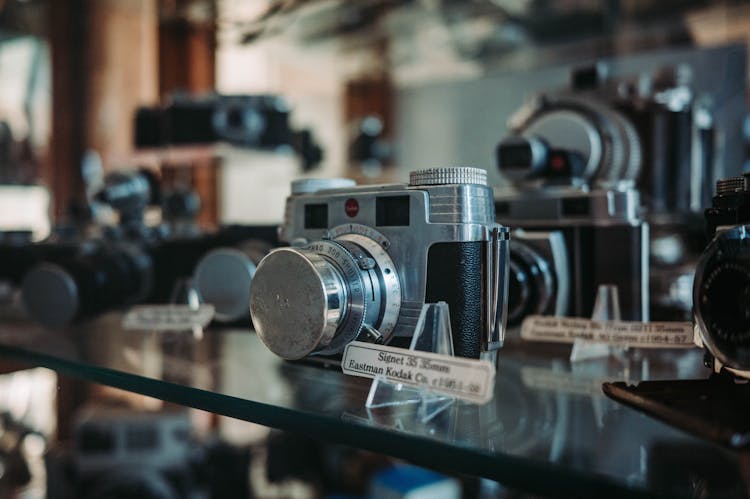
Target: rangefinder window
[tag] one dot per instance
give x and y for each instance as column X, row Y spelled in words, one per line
column 576, row 207
column 392, row 211
column 316, row 216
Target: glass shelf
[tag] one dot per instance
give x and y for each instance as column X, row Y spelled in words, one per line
column 549, row 429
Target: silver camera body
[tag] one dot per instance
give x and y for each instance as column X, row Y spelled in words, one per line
column 364, row 260
column 604, row 241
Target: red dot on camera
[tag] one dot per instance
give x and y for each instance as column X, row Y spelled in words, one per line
column 557, row 162
column 351, row 207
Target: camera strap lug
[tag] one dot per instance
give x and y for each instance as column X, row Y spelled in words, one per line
column 493, row 338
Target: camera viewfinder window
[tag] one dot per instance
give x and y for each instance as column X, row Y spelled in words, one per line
column 316, row 216
column 392, row 211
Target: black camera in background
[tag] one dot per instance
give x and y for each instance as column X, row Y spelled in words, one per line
column 108, row 275
column 17, row 259
column 253, row 121
column 666, row 138
column 212, row 469
column 593, row 263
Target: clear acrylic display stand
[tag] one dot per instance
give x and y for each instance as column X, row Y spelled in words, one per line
column 606, row 308
column 184, row 292
column 432, row 334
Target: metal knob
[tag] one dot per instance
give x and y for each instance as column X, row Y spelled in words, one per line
column 453, row 175
column 732, row 184
column 297, row 299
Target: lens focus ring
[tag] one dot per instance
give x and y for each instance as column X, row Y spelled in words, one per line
column 532, row 287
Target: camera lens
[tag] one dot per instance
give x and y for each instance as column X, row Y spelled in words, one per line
column 238, row 121
column 605, row 139
column 318, row 298
column 223, row 276
column 85, row 285
column 521, row 157
column 721, row 297
column 531, row 284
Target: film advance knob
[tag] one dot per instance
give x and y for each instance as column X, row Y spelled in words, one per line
column 731, row 185
column 296, row 301
column 453, row 175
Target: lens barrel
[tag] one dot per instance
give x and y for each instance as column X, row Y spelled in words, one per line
column 318, row 298
column 531, row 283
column 57, row 293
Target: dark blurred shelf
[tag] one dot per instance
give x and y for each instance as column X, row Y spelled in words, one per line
column 549, row 429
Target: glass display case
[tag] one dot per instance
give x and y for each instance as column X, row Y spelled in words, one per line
column 147, row 154
column 548, row 429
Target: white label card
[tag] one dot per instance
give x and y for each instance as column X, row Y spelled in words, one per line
column 167, row 317
column 467, row 379
column 623, row 333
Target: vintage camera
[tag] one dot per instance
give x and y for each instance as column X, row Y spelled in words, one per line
column 17, row 259
column 250, row 120
column 721, row 290
column 364, row 260
column 574, row 238
column 650, row 129
column 255, row 121
column 129, row 261
column 126, row 454
column 83, row 280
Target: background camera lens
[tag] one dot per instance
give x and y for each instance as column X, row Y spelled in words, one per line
column 519, row 292
column 531, row 286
